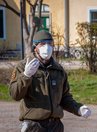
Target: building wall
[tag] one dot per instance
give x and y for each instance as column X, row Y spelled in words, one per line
column 79, row 13
column 13, row 36
column 57, row 10
column 13, row 30
column 12, row 23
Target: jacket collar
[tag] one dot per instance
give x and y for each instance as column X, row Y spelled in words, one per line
column 51, row 65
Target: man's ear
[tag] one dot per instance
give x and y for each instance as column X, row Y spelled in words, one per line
column 36, row 50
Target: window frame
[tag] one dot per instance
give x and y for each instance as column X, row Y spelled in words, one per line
column 91, row 9
column 4, row 24
column 44, row 10
column 44, row 14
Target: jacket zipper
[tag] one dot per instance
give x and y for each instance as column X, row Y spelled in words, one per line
column 49, row 90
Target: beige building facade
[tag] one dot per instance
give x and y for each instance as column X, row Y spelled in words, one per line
column 81, row 11
column 60, row 16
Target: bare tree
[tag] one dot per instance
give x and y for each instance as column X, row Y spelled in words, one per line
column 34, row 23
column 58, row 44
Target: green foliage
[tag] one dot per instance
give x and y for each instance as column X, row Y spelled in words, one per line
column 83, row 86
column 4, row 93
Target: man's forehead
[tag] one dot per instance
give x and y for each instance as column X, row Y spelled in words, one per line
column 41, row 41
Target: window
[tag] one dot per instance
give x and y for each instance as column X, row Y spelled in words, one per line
column 45, row 18
column 92, row 15
column 2, row 23
column 45, row 8
column 92, row 19
column 45, row 22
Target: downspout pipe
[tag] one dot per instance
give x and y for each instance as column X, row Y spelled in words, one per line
column 21, row 22
column 66, row 27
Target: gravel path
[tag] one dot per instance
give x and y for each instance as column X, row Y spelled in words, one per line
column 9, row 112
column 65, row 64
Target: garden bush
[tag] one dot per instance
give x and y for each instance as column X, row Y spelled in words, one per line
column 5, row 75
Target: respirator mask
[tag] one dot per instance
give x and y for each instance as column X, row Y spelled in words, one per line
column 45, row 51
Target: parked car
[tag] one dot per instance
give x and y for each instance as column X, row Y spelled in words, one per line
column 74, row 52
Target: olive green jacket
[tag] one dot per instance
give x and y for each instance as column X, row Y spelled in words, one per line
column 46, row 94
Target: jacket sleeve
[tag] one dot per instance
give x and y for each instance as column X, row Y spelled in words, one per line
column 19, row 83
column 67, row 102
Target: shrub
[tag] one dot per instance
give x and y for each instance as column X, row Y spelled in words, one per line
column 87, row 39
column 5, row 75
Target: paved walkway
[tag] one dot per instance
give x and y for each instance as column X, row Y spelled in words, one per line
column 9, row 112
column 73, row 123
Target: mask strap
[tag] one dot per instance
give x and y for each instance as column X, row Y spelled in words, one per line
column 37, row 52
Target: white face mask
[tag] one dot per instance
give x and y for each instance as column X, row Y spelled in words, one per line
column 45, row 51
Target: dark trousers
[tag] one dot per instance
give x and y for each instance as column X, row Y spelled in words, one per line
column 45, row 126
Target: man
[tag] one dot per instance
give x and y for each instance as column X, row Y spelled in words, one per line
column 42, row 86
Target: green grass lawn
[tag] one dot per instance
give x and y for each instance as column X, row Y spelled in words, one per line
column 4, row 93
column 83, row 86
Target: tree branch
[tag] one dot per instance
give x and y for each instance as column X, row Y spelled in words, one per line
column 5, row 2
column 32, row 28
column 35, row 3
column 10, row 8
column 25, row 25
column 39, row 12
column 29, row 2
